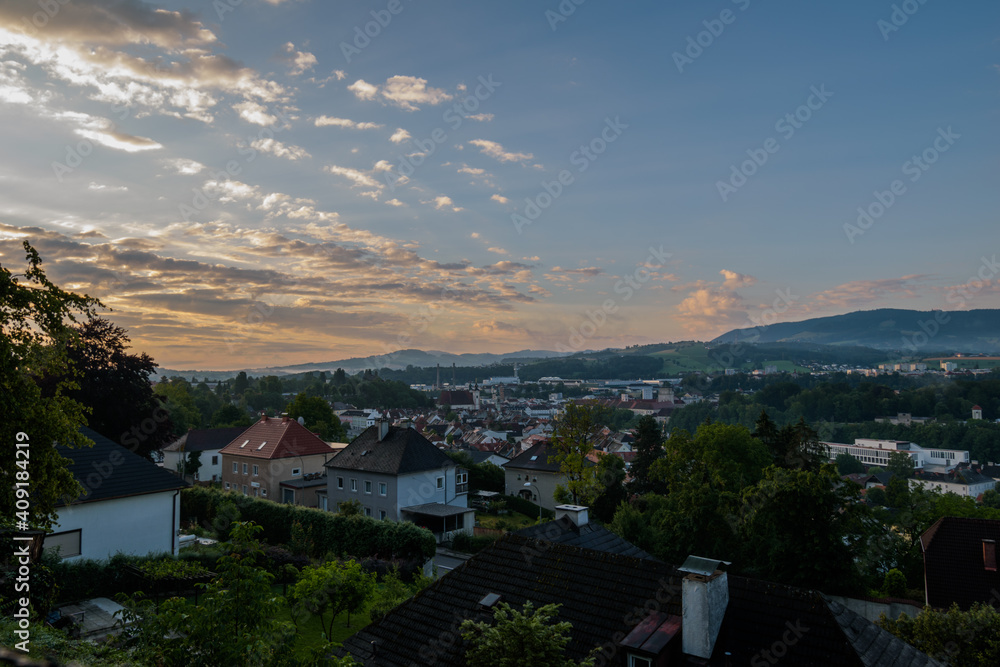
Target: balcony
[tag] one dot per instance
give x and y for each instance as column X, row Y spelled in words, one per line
column 462, row 488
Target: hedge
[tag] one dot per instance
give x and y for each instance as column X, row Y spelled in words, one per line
column 525, row 507
column 355, row 537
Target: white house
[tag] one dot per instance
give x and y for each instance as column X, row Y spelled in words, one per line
column 397, row 474
column 874, row 452
column 129, row 504
column 207, row 441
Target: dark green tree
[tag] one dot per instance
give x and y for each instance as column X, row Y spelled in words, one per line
column 849, row 465
column 318, row 417
column 36, row 319
column 572, row 440
column 527, row 636
column 901, row 465
column 649, row 449
column 958, row 638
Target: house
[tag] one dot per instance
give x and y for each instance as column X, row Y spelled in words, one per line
column 634, row 611
column 459, row 399
column 572, row 527
column 208, row 441
column 129, row 504
column 488, row 457
column 531, row 476
column 397, row 474
column 874, row 452
column 963, row 481
column 960, row 562
column 270, row 452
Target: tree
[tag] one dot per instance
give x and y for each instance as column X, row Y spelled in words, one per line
column 611, row 481
column 235, row 623
column 876, row 496
column 515, row 638
column 318, row 417
column 115, row 386
column 901, row 465
column 849, row 465
column 331, row 588
column 649, row 449
column 36, row 318
column 190, row 465
column 572, row 440
column 957, row 638
column 230, row 415
column 803, row 528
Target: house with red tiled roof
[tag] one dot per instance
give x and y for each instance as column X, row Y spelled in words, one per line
column 271, row 451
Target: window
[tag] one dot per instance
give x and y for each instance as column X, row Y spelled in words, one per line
column 639, row 661
column 354, row 485
column 263, row 492
column 244, row 489
column 381, row 515
column 68, row 543
column 383, row 489
column 227, row 486
column 323, row 503
column 340, row 482
column 215, row 460
column 990, row 555
column 440, row 482
column 235, row 468
column 288, row 496
column 368, row 486
column 244, row 468
column 368, row 511
column 256, row 471
column 296, row 472
column 462, row 477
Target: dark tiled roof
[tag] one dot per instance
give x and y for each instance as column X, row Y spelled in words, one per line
column 588, row 536
column 540, row 453
column 456, row 398
column 281, row 439
column 953, row 561
column 205, row 439
column 604, row 596
column 480, row 457
column 402, row 451
column 108, row 470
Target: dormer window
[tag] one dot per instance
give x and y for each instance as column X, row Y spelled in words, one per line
column 990, row 555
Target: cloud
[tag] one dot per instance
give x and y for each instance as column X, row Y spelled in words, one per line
column 104, row 132
column 183, row 166
column 395, row 202
column 860, row 293
column 363, row 90
column 399, row 136
column 497, row 152
column 734, row 280
column 442, row 202
column 474, row 171
column 708, row 312
column 100, row 187
column 499, row 199
column 474, row 235
column 326, row 121
column 499, row 251
column 255, row 113
column 298, row 61
column 406, row 92
column 481, row 117
column 573, row 276
column 382, row 165
column 356, row 176
column 279, row 149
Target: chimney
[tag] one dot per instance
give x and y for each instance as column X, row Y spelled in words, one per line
column 576, row 513
column 383, row 428
column 704, row 598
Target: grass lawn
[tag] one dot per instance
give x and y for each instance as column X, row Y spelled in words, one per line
column 311, row 631
column 513, row 520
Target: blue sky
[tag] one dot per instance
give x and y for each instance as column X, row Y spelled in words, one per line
column 252, row 183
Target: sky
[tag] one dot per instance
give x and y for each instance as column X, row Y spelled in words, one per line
column 248, row 183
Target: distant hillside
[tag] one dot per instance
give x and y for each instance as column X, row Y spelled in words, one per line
column 396, row 361
column 908, row 331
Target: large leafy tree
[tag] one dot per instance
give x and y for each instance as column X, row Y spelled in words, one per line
column 649, row 449
column 318, row 416
column 519, row 637
column 573, row 439
column 236, row 621
column 114, row 384
column 36, row 318
column 959, row 638
column 804, row 528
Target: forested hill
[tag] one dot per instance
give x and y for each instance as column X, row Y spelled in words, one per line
column 887, row 329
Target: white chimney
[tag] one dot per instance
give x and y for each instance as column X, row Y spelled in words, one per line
column 704, row 598
column 383, row 428
column 576, row 513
